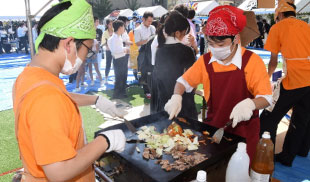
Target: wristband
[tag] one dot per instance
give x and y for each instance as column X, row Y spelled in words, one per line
column 96, row 100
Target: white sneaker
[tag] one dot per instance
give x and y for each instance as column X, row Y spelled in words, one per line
column 92, row 83
column 77, row 90
column 84, row 84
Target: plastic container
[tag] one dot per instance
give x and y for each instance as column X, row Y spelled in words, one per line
column 201, row 176
column 238, row 166
column 262, row 166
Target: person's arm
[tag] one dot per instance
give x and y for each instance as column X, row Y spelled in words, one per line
column 83, row 99
column 179, row 89
column 85, row 157
column 142, row 42
column 260, row 103
column 273, row 63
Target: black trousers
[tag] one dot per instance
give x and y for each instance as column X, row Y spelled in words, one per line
column 297, row 139
column 108, row 62
column 23, row 44
column 121, row 72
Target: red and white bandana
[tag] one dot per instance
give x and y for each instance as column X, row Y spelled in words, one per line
column 225, row 21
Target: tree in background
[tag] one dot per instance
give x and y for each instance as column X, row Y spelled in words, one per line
column 101, row 8
column 132, row 4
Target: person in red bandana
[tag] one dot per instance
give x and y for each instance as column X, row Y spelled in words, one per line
column 235, row 81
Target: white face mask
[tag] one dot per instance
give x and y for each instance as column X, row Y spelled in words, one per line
column 68, row 69
column 220, row 53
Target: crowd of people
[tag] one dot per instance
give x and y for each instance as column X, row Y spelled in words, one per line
column 163, row 55
column 14, row 36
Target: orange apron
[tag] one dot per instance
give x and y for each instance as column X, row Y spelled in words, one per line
column 87, row 176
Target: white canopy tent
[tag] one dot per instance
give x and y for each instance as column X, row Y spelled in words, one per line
column 248, row 5
column 302, row 6
column 203, row 8
column 16, row 10
column 157, row 11
column 123, row 12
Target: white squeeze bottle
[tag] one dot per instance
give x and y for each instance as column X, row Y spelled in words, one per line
column 201, row 176
column 238, row 166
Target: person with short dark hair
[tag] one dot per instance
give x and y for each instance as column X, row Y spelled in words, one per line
column 291, row 37
column 120, row 60
column 172, row 58
column 235, row 80
column 144, row 36
column 48, row 124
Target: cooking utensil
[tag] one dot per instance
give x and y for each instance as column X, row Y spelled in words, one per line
column 129, row 125
column 135, row 141
column 149, row 171
column 218, row 135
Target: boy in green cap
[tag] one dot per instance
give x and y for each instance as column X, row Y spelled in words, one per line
column 48, row 124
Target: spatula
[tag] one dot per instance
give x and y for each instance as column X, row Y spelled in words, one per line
column 218, row 135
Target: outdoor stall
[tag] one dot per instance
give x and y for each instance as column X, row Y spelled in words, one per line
column 122, row 12
column 157, row 11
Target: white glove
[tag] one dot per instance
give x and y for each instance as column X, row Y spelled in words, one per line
column 108, row 107
column 117, row 140
column 174, row 105
column 243, row 111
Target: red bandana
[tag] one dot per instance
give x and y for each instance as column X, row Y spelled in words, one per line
column 225, row 21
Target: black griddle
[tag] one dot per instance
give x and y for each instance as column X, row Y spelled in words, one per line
column 216, row 153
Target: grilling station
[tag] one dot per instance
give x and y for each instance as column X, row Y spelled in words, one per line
column 130, row 165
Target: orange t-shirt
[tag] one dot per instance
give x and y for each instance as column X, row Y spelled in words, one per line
column 49, row 123
column 256, row 76
column 291, row 37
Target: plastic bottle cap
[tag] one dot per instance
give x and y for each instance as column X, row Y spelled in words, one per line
column 241, row 146
column 201, row 176
column 266, row 135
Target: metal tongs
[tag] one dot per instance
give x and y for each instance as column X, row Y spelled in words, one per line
column 218, row 135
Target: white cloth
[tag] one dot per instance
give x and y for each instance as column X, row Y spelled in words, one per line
column 144, row 33
column 34, row 34
column 174, row 106
column 243, row 111
column 154, row 45
column 117, row 140
column 115, row 43
column 21, row 32
column 108, row 107
column 94, row 48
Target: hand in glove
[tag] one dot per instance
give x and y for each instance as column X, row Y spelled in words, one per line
column 108, row 107
column 243, row 111
column 174, row 105
column 116, row 140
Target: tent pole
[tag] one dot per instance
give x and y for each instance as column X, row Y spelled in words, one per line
column 42, row 8
column 29, row 17
column 304, row 7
